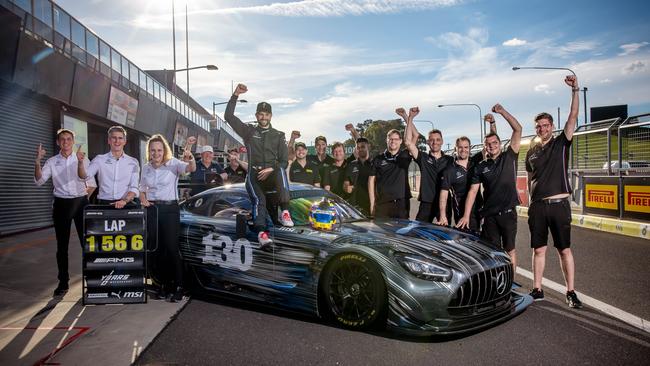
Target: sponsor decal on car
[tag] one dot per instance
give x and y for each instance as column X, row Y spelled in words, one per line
column 220, row 250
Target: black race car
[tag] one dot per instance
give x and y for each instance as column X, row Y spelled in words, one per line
column 416, row 278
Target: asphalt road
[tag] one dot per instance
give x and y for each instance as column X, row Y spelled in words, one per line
column 610, row 268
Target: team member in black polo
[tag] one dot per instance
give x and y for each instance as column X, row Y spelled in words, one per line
column 431, row 166
column 208, row 174
column 302, row 170
column 454, row 185
column 498, row 174
column 356, row 177
column 70, row 198
column 335, row 173
column 456, row 181
column 388, row 186
column 548, row 183
column 236, row 168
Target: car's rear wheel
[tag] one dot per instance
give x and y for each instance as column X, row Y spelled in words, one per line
column 354, row 292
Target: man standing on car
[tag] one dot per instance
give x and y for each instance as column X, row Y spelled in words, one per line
column 498, row 174
column 549, row 187
column 267, row 157
column 70, row 198
column 431, row 166
column 208, row 174
column 119, row 174
column 388, row 187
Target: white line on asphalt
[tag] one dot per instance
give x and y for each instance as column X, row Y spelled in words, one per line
column 594, row 303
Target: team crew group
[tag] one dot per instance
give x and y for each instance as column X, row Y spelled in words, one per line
column 478, row 192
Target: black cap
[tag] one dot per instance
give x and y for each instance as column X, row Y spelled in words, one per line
column 297, row 144
column 264, row 107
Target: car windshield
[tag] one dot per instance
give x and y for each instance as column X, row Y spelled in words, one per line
column 300, row 206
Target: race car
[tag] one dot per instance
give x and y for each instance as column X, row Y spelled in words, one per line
column 412, row 277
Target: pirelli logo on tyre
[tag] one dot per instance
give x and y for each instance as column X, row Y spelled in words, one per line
column 603, row 196
column 637, row 198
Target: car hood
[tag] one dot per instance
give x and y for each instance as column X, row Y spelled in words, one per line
column 456, row 249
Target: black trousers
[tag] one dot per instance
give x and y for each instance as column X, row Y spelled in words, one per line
column 394, row 209
column 258, row 191
column 165, row 265
column 64, row 211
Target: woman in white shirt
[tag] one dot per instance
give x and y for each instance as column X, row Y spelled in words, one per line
column 159, row 188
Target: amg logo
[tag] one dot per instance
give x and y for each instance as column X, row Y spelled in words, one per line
column 113, row 278
column 601, row 196
column 114, row 260
column 638, row 198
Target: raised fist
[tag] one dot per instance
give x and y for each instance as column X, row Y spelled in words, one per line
column 241, row 89
column 401, row 112
column 498, row 108
column 80, row 154
column 295, row 135
column 349, row 127
column 571, row 81
column 414, row 111
column 40, row 152
column 489, row 118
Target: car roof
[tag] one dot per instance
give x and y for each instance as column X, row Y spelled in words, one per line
column 241, row 187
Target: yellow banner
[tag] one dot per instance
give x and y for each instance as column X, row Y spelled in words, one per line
column 637, row 198
column 601, row 196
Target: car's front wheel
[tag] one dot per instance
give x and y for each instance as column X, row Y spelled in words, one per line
column 354, row 292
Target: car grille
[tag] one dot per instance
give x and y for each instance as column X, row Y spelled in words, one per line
column 484, row 288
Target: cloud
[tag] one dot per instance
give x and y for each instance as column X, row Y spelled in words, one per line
column 636, row 66
column 544, row 88
column 605, row 81
column 514, row 42
column 631, row 48
column 336, row 8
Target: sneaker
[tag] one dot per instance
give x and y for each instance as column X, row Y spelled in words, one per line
column 537, row 294
column 264, row 239
column 572, row 300
column 285, row 219
column 176, row 295
column 61, row 289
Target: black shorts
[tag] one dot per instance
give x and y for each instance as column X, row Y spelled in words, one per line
column 556, row 216
column 501, row 230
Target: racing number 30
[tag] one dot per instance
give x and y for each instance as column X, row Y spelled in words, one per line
column 237, row 255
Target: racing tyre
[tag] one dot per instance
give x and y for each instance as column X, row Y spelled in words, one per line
column 354, row 292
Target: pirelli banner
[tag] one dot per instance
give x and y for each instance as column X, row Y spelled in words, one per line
column 627, row 197
column 114, row 258
column 636, row 198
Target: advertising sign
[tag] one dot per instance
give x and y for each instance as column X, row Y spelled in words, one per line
column 637, row 198
column 603, row 196
column 114, row 261
column 122, row 107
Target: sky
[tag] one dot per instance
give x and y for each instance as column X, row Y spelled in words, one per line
column 324, row 63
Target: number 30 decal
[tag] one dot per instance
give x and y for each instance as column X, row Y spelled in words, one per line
column 222, row 251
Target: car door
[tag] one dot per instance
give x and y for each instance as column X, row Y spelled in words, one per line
column 221, row 259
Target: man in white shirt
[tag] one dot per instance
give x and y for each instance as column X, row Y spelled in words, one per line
column 119, row 174
column 70, row 197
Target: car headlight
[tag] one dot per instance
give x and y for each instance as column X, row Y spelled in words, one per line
column 423, row 268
